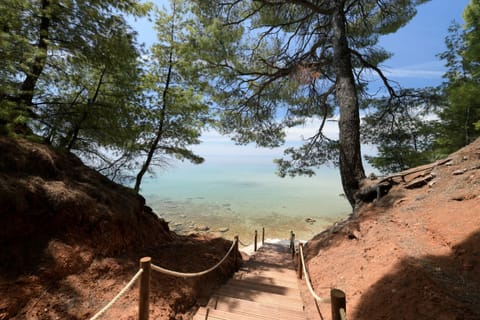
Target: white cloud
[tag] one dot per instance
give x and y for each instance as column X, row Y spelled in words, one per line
column 217, row 148
column 413, row 73
column 428, row 70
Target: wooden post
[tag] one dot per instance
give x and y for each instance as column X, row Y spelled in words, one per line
column 263, row 236
column 145, row 264
column 255, row 241
column 299, row 262
column 293, row 245
column 338, row 302
column 291, row 239
column 235, row 251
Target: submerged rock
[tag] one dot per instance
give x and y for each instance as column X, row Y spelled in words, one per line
column 202, row 228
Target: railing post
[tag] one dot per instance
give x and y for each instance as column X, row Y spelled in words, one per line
column 291, row 239
column 299, row 261
column 235, row 250
column 263, row 236
column 145, row 265
column 338, row 302
column 255, row 241
column 293, row 245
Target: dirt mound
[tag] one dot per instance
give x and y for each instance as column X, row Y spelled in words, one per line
column 70, row 239
column 410, row 254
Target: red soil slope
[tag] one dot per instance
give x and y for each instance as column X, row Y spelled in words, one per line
column 70, row 239
column 412, row 254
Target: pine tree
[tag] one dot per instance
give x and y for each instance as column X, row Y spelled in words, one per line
column 175, row 102
column 282, row 63
column 460, row 118
column 45, row 35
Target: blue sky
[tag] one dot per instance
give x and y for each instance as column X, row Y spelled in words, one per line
column 414, row 64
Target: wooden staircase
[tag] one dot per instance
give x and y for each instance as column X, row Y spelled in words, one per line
column 266, row 288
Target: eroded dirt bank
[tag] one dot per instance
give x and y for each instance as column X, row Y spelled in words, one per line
column 412, row 254
column 70, row 240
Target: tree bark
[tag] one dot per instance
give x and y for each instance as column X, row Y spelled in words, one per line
column 163, row 112
column 39, row 60
column 351, row 167
column 153, row 146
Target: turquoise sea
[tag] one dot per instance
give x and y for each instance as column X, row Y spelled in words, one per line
column 237, row 198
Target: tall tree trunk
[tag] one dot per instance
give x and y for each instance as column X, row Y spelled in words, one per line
column 39, row 60
column 163, row 112
column 91, row 102
column 351, row 168
column 153, row 146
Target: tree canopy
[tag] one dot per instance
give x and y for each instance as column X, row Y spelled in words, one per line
column 174, row 95
column 460, row 117
column 281, row 63
column 73, row 73
column 430, row 123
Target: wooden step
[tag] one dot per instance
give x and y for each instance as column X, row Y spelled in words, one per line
column 266, row 289
column 252, row 285
column 248, row 307
column 260, row 267
column 262, row 297
column 274, row 273
column 267, row 280
column 225, row 315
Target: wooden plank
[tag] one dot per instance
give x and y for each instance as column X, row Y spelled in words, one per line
column 266, row 290
column 248, row 307
column 283, row 272
column 275, row 275
column 289, row 283
column 225, row 315
column 281, row 290
column 258, row 266
column 262, row 297
column 233, row 305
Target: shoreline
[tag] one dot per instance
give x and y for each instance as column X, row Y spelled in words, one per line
column 284, row 242
column 276, row 227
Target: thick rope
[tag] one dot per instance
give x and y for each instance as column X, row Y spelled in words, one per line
column 243, row 244
column 118, row 296
column 191, row 275
column 307, row 279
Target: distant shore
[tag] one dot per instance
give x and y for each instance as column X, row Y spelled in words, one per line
column 277, row 227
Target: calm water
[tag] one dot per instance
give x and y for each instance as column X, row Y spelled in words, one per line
column 245, row 197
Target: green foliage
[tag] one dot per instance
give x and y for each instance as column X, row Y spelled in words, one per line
column 401, row 130
column 404, row 136
column 459, row 118
column 302, row 159
column 36, row 34
column 471, row 54
column 89, row 100
column 72, row 71
column 457, row 127
column 174, row 93
column 274, row 66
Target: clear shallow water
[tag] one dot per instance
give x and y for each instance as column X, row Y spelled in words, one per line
column 245, row 197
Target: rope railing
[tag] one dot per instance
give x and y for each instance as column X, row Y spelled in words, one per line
column 118, row 296
column 144, row 275
column 243, row 244
column 337, row 297
column 307, row 278
column 255, row 240
column 195, row 274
